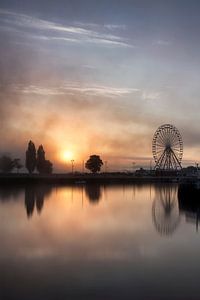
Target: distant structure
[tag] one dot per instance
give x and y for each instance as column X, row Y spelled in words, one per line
column 167, row 148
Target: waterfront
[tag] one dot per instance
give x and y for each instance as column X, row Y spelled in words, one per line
column 98, row 242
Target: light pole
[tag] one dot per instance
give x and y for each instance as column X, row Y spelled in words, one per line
column 72, row 161
column 133, row 163
column 106, row 166
column 83, row 167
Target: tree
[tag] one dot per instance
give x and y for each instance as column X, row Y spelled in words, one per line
column 40, row 159
column 17, row 164
column 48, row 167
column 6, row 164
column 31, row 157
column 43, row 166
column 94, row 163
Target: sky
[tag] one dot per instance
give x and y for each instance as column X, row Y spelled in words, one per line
column 98, row 77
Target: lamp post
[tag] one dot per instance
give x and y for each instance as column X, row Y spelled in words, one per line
column 133, row 163
column 106, row 163
column 83, row 166
column 72, row 162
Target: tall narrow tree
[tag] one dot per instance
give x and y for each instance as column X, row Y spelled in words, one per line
column 31, row 157
column 40, row 159
column 43, row 166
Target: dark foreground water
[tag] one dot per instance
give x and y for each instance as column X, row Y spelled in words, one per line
column 99, row 242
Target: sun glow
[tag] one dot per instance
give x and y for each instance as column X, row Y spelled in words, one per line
column 67, row 155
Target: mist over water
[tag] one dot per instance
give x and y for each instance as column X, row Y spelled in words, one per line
column 98, row 242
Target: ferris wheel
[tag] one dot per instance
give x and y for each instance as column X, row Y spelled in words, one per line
column 167, row 148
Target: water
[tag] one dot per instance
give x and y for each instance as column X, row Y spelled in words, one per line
column 98, row 242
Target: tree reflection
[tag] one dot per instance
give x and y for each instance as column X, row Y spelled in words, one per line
column 165, row 211
column 7, row 193
column 189, row 203
column 93, row 192
column 29, row 200
column 34, row 197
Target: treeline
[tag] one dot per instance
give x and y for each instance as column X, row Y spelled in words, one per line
column 7, row 164
column 35, row 160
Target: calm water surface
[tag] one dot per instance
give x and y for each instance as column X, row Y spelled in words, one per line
column 98, row 242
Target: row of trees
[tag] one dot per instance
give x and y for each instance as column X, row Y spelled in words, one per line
column 7, row 164
column 37, row 160
column 93, row 164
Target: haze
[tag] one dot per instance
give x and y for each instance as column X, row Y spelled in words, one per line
column 98, row 77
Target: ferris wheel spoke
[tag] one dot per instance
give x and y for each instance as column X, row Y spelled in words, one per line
column 161, row 139
column 159, row 151
column 159, row 146
column 176, row 142
column 163, row 134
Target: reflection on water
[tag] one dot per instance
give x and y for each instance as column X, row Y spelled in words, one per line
column 169, row 201
column 99, row 242
column 165, row 210
column 189, row 204
column 34, row 197
column 36, row 194
column 93, row 192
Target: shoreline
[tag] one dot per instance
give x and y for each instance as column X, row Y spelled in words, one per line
column 89, row 178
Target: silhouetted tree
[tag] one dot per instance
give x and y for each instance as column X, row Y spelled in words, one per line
column 6, row 164
column 40, row 159
column 31, row 157
column 48, row 167
column 94, row 163
column 43, row 166
column 17, row 164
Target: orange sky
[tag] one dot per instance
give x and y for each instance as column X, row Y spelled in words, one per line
column 94, row 88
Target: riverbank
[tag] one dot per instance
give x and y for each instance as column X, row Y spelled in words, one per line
column 87, row 178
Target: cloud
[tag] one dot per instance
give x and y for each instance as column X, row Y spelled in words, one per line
column 73, row 88
column 162, row 42
column 55, row 31
column 115, row 26
column 151, row 95
column 101, row 26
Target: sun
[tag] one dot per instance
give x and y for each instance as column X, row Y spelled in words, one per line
column 67, row 155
